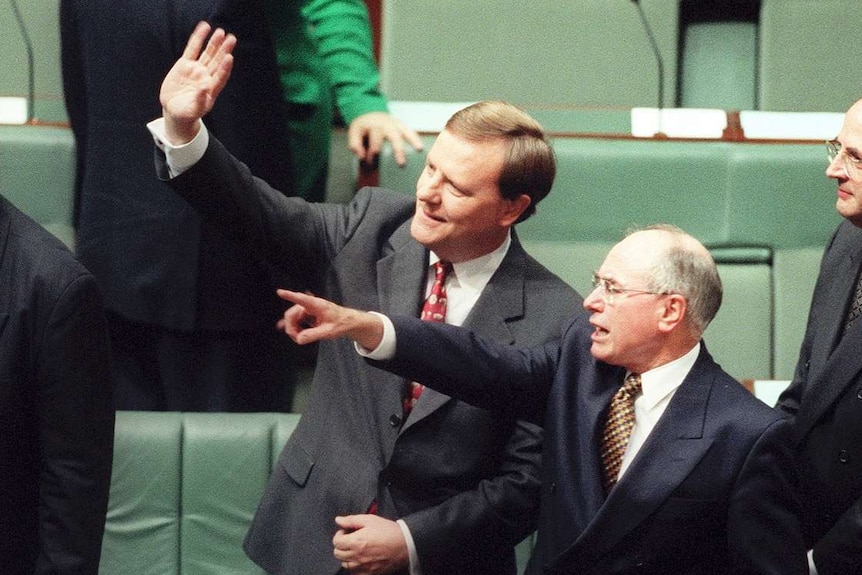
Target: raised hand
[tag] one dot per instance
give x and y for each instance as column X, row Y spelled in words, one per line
column 192, row 85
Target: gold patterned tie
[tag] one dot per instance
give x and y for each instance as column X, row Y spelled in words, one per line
column 618, row 428
column 434, row 309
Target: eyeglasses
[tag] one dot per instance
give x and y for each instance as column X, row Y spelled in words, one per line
column 850, row 163
column 610, row 292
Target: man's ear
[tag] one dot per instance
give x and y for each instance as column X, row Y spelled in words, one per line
column 673, row 312
column 513, row 209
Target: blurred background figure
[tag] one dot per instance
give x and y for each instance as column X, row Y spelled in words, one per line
column 326, row 64
column 190, row 315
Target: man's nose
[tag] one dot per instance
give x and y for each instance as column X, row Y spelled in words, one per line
column 594, row 300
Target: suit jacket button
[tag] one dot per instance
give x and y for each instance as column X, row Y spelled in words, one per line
column 859, row 393
column 843, row 456
column 394, row 420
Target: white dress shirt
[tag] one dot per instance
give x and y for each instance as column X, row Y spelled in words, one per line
column 179, row 158
column 657, row 388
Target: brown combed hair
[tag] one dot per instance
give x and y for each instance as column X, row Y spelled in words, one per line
column 530, row 167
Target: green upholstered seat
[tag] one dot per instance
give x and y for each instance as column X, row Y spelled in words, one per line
column 802, row 62
column 37, row 174
column 584, row 52
column 42, row 22
column 184, row 489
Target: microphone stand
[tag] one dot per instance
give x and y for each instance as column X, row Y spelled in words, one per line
column 31, row 75
column 660, row 63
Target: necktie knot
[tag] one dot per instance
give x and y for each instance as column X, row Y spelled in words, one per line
column 631, row 386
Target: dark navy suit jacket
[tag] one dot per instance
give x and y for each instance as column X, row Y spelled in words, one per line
column 709, row 492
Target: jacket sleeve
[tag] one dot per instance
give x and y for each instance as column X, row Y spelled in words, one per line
column 840, row 550
column 343, row 32
column 489, row 519
column 76, row 430
column 763, row 526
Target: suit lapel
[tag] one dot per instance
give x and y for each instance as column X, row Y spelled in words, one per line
column 671, row 451
column 400, row 283
column 831, row 318
column 501, row 300
column 832, row 370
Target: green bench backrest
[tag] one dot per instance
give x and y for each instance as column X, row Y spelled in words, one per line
column 583, row 52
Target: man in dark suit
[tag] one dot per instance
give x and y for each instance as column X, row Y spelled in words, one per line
column 826, row 389
column 56, row 412
column 443, row 487
column 177, row 344
column 703, row 483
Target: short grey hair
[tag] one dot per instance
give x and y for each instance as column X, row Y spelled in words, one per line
column 689, row 270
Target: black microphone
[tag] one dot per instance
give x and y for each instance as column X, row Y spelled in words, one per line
column 31, row 74
column 659, row 62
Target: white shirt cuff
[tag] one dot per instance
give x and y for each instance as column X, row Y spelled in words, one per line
column 179, row 158
column 812, row 569
column 415, row 569
column 386, row 349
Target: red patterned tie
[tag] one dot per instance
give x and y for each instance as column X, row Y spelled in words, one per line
column 434, row 309
column 618, row 429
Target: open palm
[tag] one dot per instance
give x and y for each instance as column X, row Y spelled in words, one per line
column 192, row 85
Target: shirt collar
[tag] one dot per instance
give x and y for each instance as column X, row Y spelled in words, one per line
column 658, row 383
column 475, row 273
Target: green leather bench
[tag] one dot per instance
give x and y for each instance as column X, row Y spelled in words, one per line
column 796, row 62
column 543, row 52
column 37, row 174
column 185, row 487
column 42, row 20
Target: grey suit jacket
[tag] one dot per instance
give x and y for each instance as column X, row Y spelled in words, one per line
column 826, row 397
column 465, row 482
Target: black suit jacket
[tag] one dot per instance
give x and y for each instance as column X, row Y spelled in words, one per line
column 709, row 492
column 465, row 482
column 826, row 397
column 56, row 409
column 156, row 261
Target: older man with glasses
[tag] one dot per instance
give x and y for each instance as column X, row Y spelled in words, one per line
column 655, row 460
column 826, row 392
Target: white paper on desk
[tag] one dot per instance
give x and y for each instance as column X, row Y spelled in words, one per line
column 768, row 390
column 13, row 110
column 425, row 116
column 790, row 125
column 678, row 122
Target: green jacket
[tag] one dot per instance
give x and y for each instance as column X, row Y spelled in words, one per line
column 325, row 58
